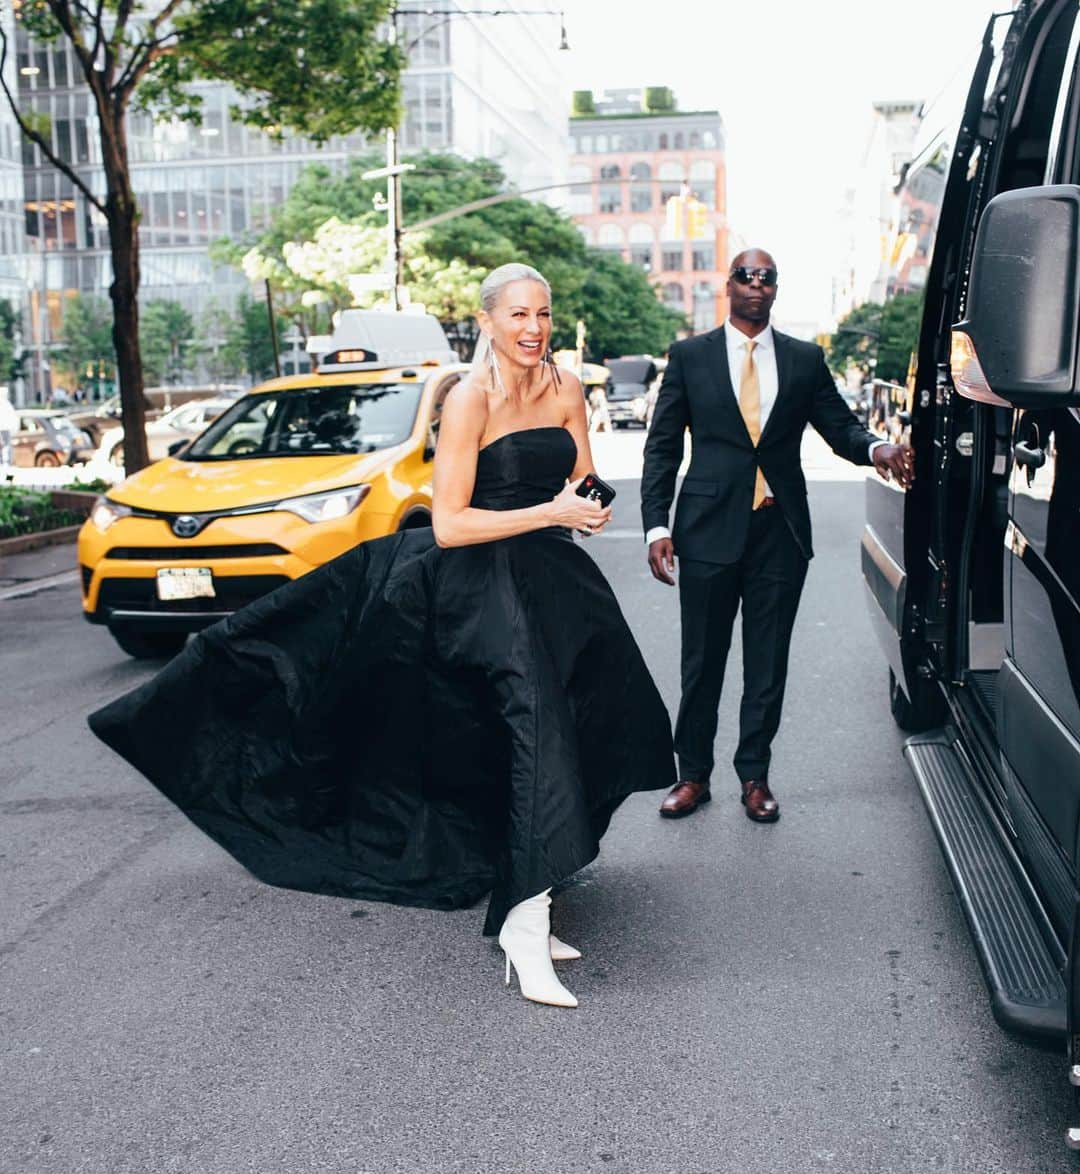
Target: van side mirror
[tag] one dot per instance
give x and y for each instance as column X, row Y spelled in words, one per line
column 1018, row 343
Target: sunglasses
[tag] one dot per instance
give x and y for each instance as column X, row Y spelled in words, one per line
column 744, row 274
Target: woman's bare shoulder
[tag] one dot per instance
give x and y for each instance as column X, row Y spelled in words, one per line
column 468, row 400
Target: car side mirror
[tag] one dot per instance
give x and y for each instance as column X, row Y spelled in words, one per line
column 1018, row 344
column 177, row 446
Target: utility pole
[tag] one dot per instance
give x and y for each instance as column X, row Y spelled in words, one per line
column 394, row 169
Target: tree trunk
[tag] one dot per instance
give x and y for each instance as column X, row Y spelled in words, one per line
column 122, row 215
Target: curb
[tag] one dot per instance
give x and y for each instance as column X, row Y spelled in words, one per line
column 24, row 542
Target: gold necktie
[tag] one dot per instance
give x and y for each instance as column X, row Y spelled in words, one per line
column 750, row 406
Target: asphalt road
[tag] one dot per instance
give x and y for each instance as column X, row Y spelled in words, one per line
column 801, row 996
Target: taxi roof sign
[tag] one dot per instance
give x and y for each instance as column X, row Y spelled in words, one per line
column 370, row 339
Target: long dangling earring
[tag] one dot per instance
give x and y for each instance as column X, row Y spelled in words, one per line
column 549, row 358
column 493, row 366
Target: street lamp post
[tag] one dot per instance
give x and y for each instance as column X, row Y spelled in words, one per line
column 394, row 169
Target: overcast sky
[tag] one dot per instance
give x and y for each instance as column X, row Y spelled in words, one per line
column 793, row 81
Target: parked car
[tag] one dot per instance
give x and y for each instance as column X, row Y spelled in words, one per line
column 48, row 437
column 180, row 425
column 290, row 476
column 973, row 575
column 97, row 418
column 627, row 396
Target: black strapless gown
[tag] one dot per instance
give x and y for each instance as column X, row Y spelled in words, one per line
column 414, row 724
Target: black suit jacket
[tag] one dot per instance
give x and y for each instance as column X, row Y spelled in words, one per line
column 712, row 516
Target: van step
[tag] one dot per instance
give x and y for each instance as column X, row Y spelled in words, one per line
column 1027, row 992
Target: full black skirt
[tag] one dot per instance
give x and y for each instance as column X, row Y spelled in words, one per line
column 409, row 724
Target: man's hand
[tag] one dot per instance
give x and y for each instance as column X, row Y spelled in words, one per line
column 897, row 460
column 662, row 560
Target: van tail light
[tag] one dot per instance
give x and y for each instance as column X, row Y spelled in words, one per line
column 968, row 376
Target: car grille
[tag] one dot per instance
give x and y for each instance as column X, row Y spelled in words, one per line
column 173, row 553
column 233, row 592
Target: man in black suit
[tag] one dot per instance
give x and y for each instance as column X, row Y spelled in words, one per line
column 742, row 526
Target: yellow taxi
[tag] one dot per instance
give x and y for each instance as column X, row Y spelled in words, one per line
column 296, row 472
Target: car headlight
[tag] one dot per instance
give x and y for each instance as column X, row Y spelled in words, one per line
column 105, row 512
column 324, row 507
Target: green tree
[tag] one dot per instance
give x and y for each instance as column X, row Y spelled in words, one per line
column 899, row 335
column 85, row 339
column 854, row 342
column 247, row 344
column 315, row 66
column 166, row 335
column 327, row 228
column 8, row 321
column 582, row 104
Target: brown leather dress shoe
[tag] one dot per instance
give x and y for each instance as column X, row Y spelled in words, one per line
column 758, row 800
column 684, row 798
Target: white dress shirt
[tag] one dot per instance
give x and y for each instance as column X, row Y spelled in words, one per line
column 768, row 382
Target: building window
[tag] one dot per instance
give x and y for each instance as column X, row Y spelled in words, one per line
column 641, row 255
column 641, row 193
column 610, row 238
column 601, row 144
column 679, row 142
column 585, row 144
column 673, row 295
column 708, row 140
column 581, row 203
column 662, row 143
column 610, row 171
column 704, row 312
column 610, row 198
column 671, row 259
column 703, row 259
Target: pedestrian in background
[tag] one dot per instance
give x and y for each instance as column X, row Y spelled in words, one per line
column 9, row 425
column 746, row 393
column 599, row 417
column 439, row 713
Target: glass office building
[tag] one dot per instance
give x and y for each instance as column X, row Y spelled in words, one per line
column 476, row 85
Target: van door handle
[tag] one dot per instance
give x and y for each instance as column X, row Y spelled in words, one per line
column 1025, row 454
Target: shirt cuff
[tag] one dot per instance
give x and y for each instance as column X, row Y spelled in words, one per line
column 875, row 444
column 656, row 532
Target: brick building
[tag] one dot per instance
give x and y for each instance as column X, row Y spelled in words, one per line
column 631, row 151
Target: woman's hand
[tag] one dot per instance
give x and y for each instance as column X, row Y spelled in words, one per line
column 578, row 513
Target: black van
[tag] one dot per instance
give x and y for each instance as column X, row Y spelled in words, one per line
column 974, row 574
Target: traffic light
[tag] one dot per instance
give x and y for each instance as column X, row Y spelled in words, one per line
column 697, row 227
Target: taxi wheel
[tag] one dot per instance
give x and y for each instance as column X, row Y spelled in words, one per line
column 47, row 460
column 149, row 645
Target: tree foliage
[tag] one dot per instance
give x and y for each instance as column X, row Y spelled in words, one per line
column 885, row 333
column 8, row 320
column 328, row 228
column 315, row 66
column 166, row 335
column 85, row 339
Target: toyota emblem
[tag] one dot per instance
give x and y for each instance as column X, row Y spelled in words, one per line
column 186, row 526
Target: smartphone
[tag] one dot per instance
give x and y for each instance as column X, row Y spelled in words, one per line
column 592, row 487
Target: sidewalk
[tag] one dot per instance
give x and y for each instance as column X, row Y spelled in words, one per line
column 35, row 570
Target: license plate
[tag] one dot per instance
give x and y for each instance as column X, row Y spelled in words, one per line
column 185, row 583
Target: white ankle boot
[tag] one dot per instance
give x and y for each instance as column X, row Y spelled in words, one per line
column 526, row 940
column 561, row 952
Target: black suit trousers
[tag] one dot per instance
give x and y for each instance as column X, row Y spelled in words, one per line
column 767, row 581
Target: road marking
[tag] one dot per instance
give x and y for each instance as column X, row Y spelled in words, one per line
column 35, row 585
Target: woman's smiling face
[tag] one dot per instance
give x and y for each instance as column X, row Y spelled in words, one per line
column 520, row 322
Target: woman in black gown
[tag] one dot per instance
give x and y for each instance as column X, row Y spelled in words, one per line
column 439, row 713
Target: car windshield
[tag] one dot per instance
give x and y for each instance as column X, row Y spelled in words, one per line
column 64, row 426
column 311, row 421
